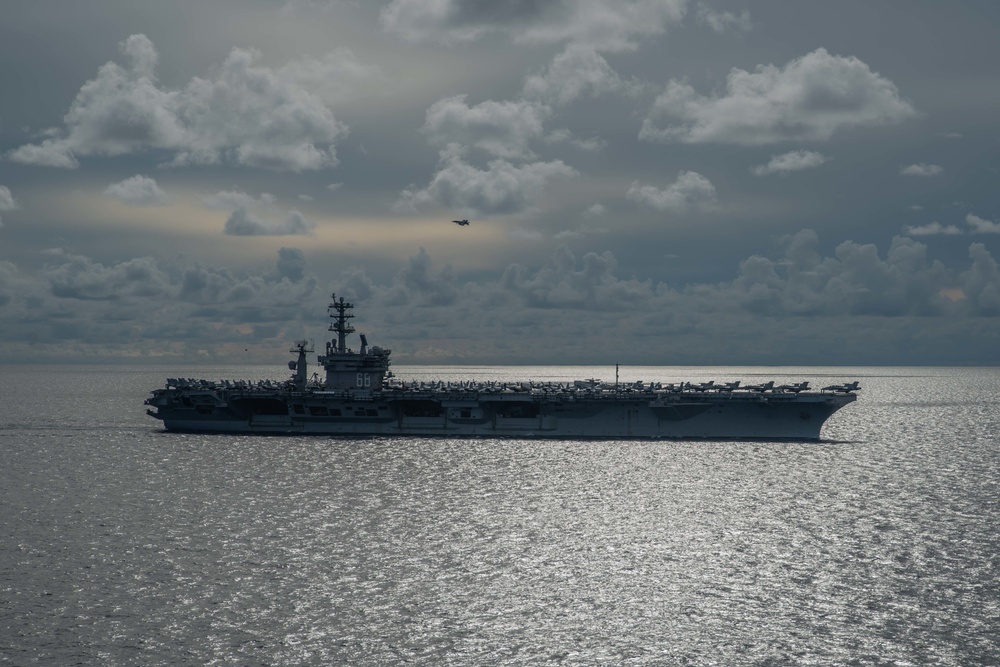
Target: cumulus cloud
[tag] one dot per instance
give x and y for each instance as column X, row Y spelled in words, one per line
column 981, row 225
column 721, row 22
column 809, row 99
column 503, row 129
column 981, row 283
column 566, row 282
column 74, row 276
column 242, row 222
column 291, row 264
column 501, row 188
column 138, row 190
column 257, row 217
column 855, row 281
column 578, row 70
column 690, row 192
column 801, row 292
column 921, row 169
column 418, row 283
column 857, row 297
column 974, row 225
column 73, row 306
column 606, row 25
column 932, row 229
column 243, row 113
column 454, row 20
column 793, row 161
column 7, row 202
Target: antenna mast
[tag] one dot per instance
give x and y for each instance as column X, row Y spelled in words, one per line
column 340, row 324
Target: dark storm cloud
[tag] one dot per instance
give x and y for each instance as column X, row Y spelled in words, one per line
column 291, row 264
column 147, row 305
column 856, row 280
column 565, row 283
column 77, row 277
column 981, row 283
column 145, row 299
column 835, row 302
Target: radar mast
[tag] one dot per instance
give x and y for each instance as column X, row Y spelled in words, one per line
column 341, row 325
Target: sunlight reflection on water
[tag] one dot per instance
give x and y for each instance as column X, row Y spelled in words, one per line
column 126, row 545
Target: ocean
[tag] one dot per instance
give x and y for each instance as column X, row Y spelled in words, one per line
column 121, row 544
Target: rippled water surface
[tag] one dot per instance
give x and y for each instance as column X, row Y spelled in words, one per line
column 121, row 544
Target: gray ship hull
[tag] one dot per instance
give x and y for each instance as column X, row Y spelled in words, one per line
column 360, row 397
column 707, row 416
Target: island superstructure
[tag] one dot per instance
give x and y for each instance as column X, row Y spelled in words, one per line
column 358, row 395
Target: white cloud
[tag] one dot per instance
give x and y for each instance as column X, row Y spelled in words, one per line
column 982, row 226
column 563, row 135
column 808, row 99
column 721, row 22
column 933, row 229
column 243, row 113
column 578, row 70
column 606, row 25
column 333, row 187
column 257, row 217
column 49, row 153
column 793, row 161
column 921, row 169
column 595, row 211
column 975, row 225
column 691, row 191
column 502, row 188
column 503, row 129
column 7, row 202
column 138, row 190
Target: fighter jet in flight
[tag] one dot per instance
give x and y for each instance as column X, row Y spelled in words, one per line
column 461, row 223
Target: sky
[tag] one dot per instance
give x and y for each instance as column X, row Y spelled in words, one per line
column 648, row 182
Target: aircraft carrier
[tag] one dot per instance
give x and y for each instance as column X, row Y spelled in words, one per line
column 359, row 396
